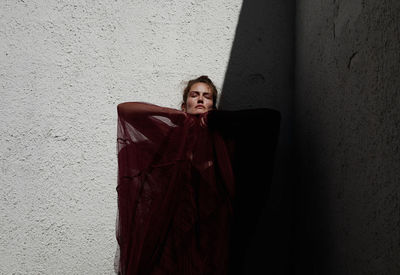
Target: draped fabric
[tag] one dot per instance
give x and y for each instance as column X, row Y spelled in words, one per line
column 175, row 190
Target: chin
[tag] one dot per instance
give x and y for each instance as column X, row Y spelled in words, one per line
column 198, row 111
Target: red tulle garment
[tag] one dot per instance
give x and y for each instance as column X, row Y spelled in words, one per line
column 175, row 191
column 181, row 178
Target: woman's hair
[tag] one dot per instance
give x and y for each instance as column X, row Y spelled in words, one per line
column 201, row 79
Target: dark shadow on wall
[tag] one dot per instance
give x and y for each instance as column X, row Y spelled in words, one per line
column 260, row 75
column 309, row 244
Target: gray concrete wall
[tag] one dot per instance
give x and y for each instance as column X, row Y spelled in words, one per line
column 64, row 66
column 346, row 110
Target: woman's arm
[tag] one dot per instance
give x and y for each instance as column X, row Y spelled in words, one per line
column 134, row 111
column 145, row 123
column 243, row 122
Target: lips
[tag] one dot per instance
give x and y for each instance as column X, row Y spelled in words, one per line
column 200, row 106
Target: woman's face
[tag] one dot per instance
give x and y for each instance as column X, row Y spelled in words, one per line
column 199, row 99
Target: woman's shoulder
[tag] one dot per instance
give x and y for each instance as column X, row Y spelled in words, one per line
column 246, row 116
column 236, row 122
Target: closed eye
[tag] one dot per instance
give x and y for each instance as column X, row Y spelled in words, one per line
column 195, row 94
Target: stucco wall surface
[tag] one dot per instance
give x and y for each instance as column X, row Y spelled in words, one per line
column 64, row 66
column 347, row 135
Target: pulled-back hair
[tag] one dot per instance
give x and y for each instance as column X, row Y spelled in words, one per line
column 201, row 79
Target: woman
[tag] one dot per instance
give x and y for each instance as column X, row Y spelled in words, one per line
column 176, row 184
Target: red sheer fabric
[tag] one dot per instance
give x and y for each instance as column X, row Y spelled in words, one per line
column 175, row 192
column 180, row 179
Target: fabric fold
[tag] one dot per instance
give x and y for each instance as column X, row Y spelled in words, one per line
column 175, row 191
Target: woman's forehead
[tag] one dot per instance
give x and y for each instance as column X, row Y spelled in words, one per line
column 200, row 87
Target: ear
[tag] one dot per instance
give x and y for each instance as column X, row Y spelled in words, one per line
column 183, row 107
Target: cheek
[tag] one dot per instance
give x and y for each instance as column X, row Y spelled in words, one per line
column 189, row 102
column 209, row 104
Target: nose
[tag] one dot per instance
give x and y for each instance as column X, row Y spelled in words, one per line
column 200, row 98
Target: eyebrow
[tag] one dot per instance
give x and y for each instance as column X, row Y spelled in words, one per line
column 199, row 92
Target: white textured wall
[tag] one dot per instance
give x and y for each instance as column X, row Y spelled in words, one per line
column 64, row 66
